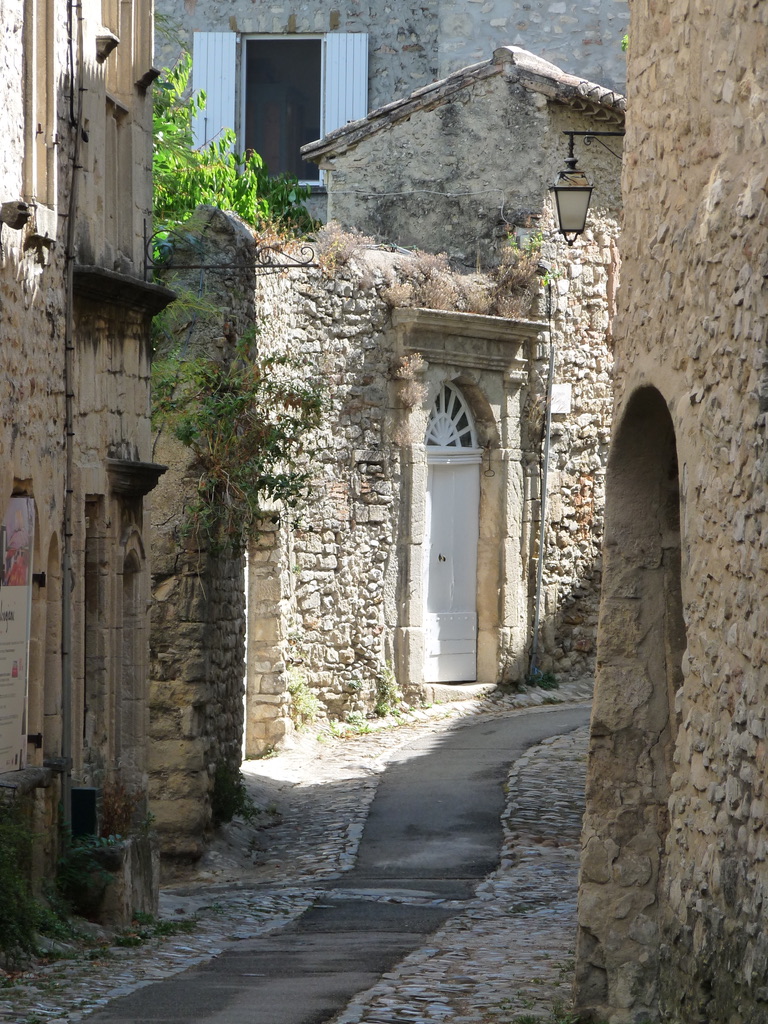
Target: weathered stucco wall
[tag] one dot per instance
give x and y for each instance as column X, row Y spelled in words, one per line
column 413, row 44
column 674, row 874
column 584, row 39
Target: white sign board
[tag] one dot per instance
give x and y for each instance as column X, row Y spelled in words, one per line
column 16, row 534
column 561, row 399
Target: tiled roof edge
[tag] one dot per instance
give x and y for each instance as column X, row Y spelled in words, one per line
column 427, row 96
column 531, row 71
column 540, row 75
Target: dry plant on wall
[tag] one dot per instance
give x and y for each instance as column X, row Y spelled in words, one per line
column 535, row 412
column 515, row 281
column 427, row 280
column 119, row 806
column 335, row 247
column 411, row 391
column 508, row 290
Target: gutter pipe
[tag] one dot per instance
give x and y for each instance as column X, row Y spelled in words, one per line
column 67, row 578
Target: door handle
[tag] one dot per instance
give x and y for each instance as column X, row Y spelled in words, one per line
column 441, row 558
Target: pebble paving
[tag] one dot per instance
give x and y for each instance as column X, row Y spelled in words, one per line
column 507, row 953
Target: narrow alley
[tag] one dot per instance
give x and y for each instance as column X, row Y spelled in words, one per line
column 336, row 906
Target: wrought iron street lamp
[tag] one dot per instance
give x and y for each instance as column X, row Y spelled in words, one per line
column 573, row 189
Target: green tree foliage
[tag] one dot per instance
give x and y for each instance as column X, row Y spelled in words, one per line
column 185, row 177
column 249, row 424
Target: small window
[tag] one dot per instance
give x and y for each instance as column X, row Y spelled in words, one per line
column 283, row 89
column 450, row 421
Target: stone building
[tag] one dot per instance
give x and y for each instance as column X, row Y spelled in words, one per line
column 428, row 472
column 673, row 874
column 463, row 163
column 285, row 74
column 75, row 432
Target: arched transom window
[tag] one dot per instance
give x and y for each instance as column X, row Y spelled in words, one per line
column 450, row 421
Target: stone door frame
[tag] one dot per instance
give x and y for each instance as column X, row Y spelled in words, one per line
column 485, row 358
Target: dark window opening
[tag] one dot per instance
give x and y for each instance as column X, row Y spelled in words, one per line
column 282, row 102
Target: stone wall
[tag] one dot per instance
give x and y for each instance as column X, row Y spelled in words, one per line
column 337, row 584
column 198, row 590
column 336, row 597
column 673, row 871
column 196, row 688
column 411, row 44
column 430, row 172
column 582, row 299
column 583, row 39
column 349, row 577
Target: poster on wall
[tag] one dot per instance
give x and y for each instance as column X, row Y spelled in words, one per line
column 16, row 536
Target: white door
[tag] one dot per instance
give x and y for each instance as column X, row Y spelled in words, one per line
column 451, row 532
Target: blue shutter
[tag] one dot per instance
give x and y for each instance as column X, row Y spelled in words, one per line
column 214, row 58
column 346, row 78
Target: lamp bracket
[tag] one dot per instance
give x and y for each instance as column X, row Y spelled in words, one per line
column 160, row 251
column 590, row 137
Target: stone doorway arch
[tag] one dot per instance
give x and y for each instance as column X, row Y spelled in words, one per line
column 641, row 643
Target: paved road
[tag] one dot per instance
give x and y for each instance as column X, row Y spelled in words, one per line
column 433, row 833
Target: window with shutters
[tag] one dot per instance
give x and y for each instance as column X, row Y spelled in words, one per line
column 295, row 89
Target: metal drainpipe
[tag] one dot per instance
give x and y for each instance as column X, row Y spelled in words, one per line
column 67, row 580
column 533, row 669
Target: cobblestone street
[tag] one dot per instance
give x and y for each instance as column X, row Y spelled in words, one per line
column 507, row 954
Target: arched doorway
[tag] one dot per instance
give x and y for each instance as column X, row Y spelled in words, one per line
column 641, row 644
column 451, row 539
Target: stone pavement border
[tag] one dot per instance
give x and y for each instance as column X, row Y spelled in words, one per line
column 328, row 795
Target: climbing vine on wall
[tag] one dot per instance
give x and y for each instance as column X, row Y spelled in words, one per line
column 247, row 420
column 249, row 424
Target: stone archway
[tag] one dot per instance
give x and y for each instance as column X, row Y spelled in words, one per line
column 641, row 642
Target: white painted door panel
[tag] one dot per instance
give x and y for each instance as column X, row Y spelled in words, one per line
column 453, row 499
